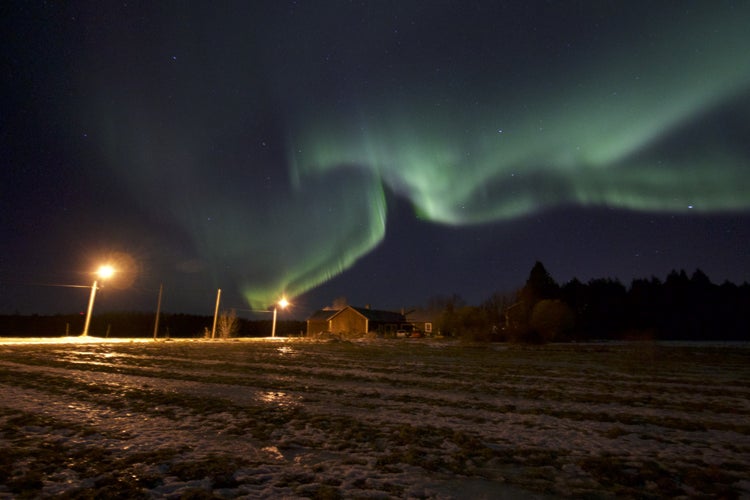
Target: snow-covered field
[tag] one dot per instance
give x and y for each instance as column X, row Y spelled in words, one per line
column 372, row 419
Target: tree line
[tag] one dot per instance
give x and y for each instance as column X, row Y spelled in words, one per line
column 681, row 307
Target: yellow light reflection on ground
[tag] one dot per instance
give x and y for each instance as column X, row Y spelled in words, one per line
column 102, row 340
column 68, row 340
column 276, row 398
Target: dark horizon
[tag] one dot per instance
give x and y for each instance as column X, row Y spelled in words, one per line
column 300, row 311
column 683, row 306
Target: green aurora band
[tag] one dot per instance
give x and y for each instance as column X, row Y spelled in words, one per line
column 494, row 147
column 590, row 137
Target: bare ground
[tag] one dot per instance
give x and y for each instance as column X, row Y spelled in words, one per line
column 377, row 419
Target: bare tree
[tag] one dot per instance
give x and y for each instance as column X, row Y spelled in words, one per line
column 227, row 324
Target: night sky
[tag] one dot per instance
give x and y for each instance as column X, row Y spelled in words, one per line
column 382, row 151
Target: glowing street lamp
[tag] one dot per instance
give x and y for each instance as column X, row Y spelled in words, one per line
column 282, row 304
column 103, row 272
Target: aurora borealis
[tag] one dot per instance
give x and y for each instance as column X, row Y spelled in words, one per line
column 272, row 148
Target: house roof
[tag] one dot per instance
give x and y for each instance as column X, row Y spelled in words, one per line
column 370, row 314
column 323, row 314
column 421, row 316
column 378, row 316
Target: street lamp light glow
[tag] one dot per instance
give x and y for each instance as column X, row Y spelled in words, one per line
column 105, row 271
column 283, row 303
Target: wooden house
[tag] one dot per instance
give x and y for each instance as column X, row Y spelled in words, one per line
column 354, row 322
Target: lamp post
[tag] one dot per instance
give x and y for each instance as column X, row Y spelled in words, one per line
column 282, row 304
column 103, row 272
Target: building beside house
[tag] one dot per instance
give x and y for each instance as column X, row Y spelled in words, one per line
column 421, row 321
column 353, row 321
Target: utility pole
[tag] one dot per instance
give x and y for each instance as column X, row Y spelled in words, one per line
column 88, row 311
column 216, row 313
column 158, row 311
column 273, row 328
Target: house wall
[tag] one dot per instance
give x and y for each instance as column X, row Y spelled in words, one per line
column 387, row 329
column 349, row 321
column 423, row 326
column 316, row 326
